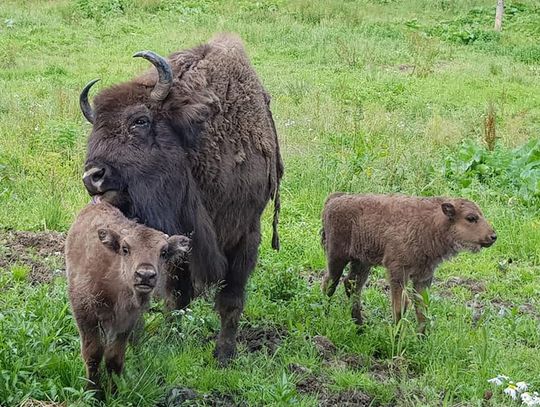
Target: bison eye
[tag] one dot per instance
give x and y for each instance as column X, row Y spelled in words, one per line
column 141, row 122
column 472, row 218
column 125, row 250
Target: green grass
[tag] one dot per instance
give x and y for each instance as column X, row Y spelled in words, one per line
column 368, row 96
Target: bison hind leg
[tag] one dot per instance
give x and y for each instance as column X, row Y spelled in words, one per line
column 230, row 298
column 354, row 283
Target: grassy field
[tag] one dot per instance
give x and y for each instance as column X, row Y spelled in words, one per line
column 368, row 96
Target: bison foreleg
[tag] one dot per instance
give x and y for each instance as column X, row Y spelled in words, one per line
column 179, row 287
column 230, row 299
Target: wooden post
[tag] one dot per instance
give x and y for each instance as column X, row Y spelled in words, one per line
column 499, row 15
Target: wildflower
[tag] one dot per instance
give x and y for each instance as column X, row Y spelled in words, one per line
column 9, row 22
column 499, row 380
column 530, row 400
column 511, row 391
column 522, row 386
column 289, row 123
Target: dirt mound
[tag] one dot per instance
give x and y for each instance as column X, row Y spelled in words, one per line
column 346, row 398
column 257, row 338
column 41, row 252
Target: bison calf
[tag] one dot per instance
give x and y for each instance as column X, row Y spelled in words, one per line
column 409, row 236
column 113, row 265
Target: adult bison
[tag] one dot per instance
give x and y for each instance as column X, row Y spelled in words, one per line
column 190, row 147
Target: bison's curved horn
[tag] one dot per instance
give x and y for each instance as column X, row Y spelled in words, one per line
column 85, row 105
column 164, row 83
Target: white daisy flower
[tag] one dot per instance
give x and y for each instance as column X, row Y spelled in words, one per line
column 530, row 400
column 522, row 386
column 499, row 380
column 511, row 391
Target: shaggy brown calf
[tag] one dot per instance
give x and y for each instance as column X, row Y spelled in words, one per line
column 113, row 265
column 409, row 236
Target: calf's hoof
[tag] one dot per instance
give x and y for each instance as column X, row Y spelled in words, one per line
column 225, row 353
column 421, row 329
column 349, row 286
column 328, row 286
column 357, row 317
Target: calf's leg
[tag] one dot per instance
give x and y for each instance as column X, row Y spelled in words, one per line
column 333, row 274
column 92, row 353
column 420, row 287
column 400, row 300
column 115, row 355
column 230, row 298
column 354, row 283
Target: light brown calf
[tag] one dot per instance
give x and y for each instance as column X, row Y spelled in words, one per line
column 409, row 236
column 113, row 265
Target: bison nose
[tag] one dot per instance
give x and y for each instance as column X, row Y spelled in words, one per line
column 93, row 179
column 493, row 237
column 146, row 276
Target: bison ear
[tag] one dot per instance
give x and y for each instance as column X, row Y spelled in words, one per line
column 110, row 239
column 449, row 210
column 179, row 245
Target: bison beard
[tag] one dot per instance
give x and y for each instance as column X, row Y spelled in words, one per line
column 197, row 156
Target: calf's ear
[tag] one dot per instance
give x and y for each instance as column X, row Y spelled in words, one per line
column 179, row 244
column 449, row 210
column 110, row 239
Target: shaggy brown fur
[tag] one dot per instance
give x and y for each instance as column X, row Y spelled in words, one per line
column 205, row 160
column 113, row 265
column 409, row 236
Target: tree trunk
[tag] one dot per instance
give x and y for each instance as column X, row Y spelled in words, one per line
column 499, row 15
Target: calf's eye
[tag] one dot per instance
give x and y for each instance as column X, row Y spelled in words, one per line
column 125, row 250
column 471, row 218
column 163, row 252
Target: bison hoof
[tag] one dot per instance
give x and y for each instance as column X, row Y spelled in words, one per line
column 224, row 353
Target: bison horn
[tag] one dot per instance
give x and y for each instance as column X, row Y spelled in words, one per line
column 85, row 105
column 164, row 83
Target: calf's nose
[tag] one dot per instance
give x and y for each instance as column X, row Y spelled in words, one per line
column 493, row 237
column 93, row 179
column 145, row 275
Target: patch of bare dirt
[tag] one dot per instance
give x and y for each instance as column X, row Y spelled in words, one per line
column 310, row 383
column 39, row 403
column 348, row 398
column 184, row 396
column 475, row 286
column 324, row 346
column 502, row 308
column 41, row 252
column 257, row 338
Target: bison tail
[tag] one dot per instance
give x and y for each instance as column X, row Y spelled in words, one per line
column 277, row 208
